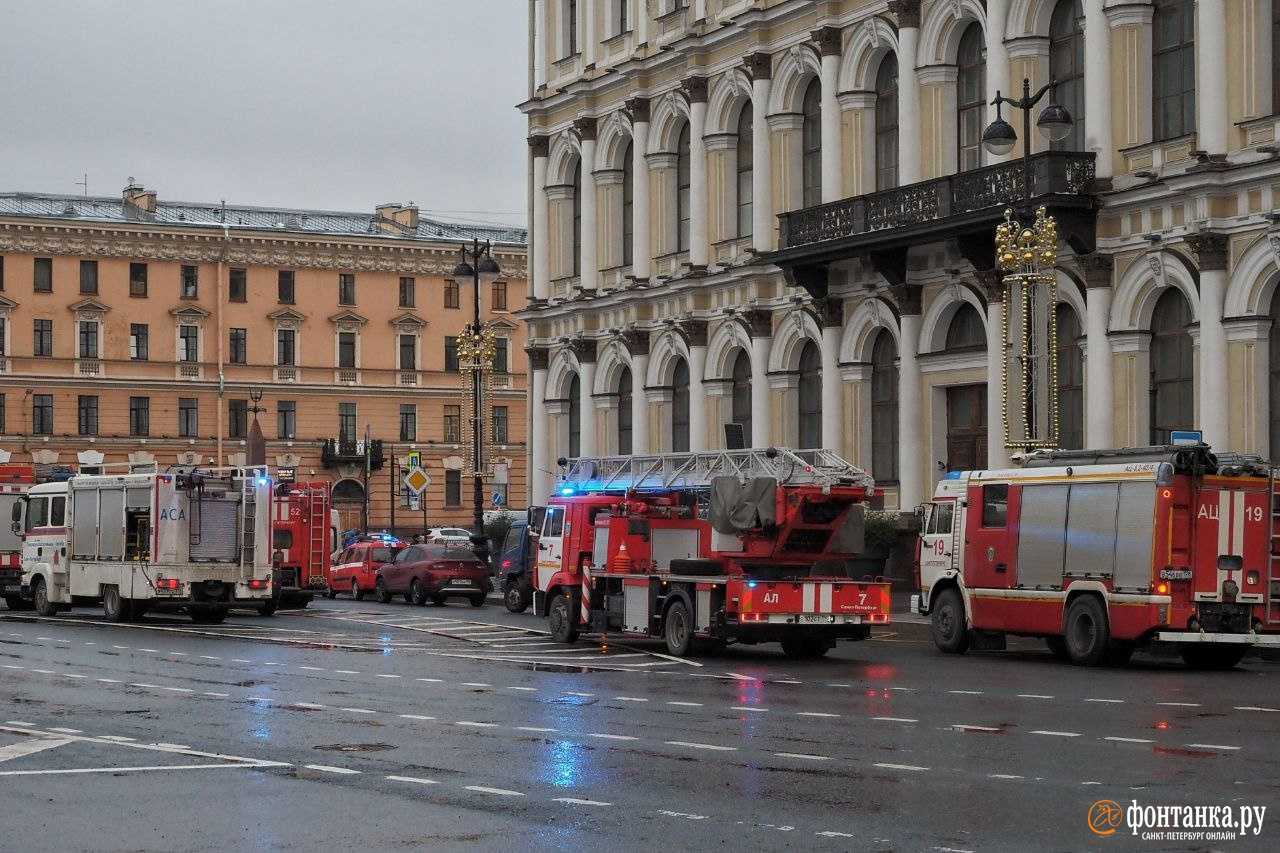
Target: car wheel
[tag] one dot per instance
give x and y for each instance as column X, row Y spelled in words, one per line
column 950, row 634
column 1087, row 633
column 40, row 594
column 417, row 593
column 477, row 600
column 380, row 589
column 563, row 618
column 515, row 599
column 356, row 592
column 1206, row 656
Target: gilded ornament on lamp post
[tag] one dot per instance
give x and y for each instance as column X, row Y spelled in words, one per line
column 476, row 354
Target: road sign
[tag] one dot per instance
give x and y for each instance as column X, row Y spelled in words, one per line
column 415, row 459
column 417, row 480
column 1189, row 436
column 285, row 475
column 497, row 498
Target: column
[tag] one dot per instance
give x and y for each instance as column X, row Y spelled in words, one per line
column 696, row 332
column 590, row 263
column 642, row 248
column 998, row 68
column 763, row 222
column 997, row 453
column 1099, row 406
column 908, row 12
column 699, row 216
column 540, row 478
column 761, row 327
column 539, row 147
column 586, row 352
column 1211, row 384
column 587, row 33
column 832, row 402
column 913, row 449
column 1097, row 98
column 638, row 345
column 1212, row 123
column 828, row 40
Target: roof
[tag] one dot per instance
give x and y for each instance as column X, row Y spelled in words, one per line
column 182, row 213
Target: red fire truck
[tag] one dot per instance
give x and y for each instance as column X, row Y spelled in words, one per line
column 745, row 546
column 302, row 541
column 1101, row 551
column 15, row 480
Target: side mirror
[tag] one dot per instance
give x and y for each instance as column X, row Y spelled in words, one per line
column 16, row 527
column 920, row 517
column 16, row 514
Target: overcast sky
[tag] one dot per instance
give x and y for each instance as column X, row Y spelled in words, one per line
column 323, row 104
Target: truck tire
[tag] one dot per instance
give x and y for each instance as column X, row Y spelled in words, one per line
column 1212, row 656
column 1086, row 631
column 477, row 600
column 208, row 615
column 380, row 589
column 1057, row 647
column 115, row 607
column 269, row 607
column 330, row 593
column 417, row 593
column 697, row 568
column 15, row 602
column 40, row 595
column 515, row 599
column 562, row 617
column 677, row 628
column 947, row 624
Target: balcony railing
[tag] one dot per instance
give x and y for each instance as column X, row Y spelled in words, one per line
column 1055, row 173
column 341, row 451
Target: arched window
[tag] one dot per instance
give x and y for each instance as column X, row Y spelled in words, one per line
column 628, row 207
column 576, row 237
column 1274, row 359
column 1172, row 367
column 745, row 165
column 624, row 412
column 575, row 417
column 1066, row 65
column 809, row 396
column 741, row 406
column 1070, row 379
column 884, row 408
column 683, row 194
column 571, row 26
column 887, row 123
column 624, row 15
column 811, row 145
column 967, row 330
column 1173, row 69
column 680, row 407
column 971, row 97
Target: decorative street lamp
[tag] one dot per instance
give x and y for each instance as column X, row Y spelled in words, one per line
column 257, row 449
column 477, row 348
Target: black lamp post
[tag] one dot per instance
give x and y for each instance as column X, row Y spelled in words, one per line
column 482, row 269
column 1055, row 124
column 257, row 450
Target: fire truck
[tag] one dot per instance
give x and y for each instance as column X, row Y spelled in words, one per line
column 745, row 546
column 15, row 481
column 301, row 542
column 1101, row 551
column 145, row 540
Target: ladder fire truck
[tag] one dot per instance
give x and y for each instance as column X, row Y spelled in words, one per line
column 301, row 543
column 1101, row 551
column 188, row 539
column 15, row 480
column 742, row 546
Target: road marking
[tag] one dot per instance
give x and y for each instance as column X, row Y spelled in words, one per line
column 1033, row 696
column 611, row 737
column 502, row 792
column 309, row 668
column 178, row 689
column 73, row 675
column 108, row 680
column 749, row 708
column 413, row 779
column 415, row 717
column 573, row 693
column 43, row 671
column 171, row 747
column 1180, row 704
column 311, row 705
column 710, row 746
column 114, row 770
column 687, row 704
column 429, row 680
column 19, row 723
column 525, row 689
column 1212, row 746
column 628, row 699
column 120, row 738
column 216, row 695
column 475, row 725
column 325, row 768
column 684, row 815
column 1107, row 701
column 574, row 801
column 802, row 755
column 833, row 834
column 67, row 731
column 1256, row 708
column 1128, row 739
column 814, row 714
column 143, row 685
column 895, row 719
column 1005, row 776
column 471, row 683
column 350, row 672
column 46, row 639
column 358, row 710
column 12, row 666
column 1056, row 734
column 834, row 684
column 152, row 651
column 787, row 681
column 176, row 654
column 259, row 699
column 533, row 729
column 18, row 750
column 385, row 675
column 902, row 767
column 240, row 660
column 967, row 692
column 210, row 657
column 967, row 728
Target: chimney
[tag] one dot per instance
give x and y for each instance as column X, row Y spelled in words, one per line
column 395, row 218
column 140, row 197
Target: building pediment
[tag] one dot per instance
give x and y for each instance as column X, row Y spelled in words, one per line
column 347, row 318
column 89, row 306
column 7, row 304
column 287, row 315
column 503, row 325
column 408, row 318
column 190, row 312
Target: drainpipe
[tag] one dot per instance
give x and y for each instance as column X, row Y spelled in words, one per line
column 223, row 257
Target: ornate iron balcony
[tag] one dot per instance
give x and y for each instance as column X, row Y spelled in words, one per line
column 340, row 451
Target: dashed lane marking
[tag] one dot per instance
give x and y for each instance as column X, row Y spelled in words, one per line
column 415, row 717
column 910, row 767
column 687, row 704
column 895, row 719
column 709, row 746
column 1129, row 739
column 1107, row 701
column 1212, row 746
column 524, row 689
column 685, row 815
column 1180, row 704
column 474, row 725
column 814, row 714
column 575, row 801
column 963, row 727
column 501, row 792
column 1256, row 708
column 748, row 708
column 1033, row 696
column 325, row 768
column 830, row 833
column 1005, row 776
column 357, row 710
column 611, row 737
column 1056, row 734
column 804, row 756
column 966, row 692
column 413, row 779
column 67, row 731
column 533, row 729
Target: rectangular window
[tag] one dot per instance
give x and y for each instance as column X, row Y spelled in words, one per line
column 286, row 347
column 499, row 296
column 42, row 345
column 451, row 354
column 500, row 363
column 453, row 488
column 139, row 415
column 4, row 337
column 88, row 276
column 44, row 275
column 137, row 279
column 995, row 504
column 238, row 418
column 408, row 352
column 138, row 343
column 346, row 422
column 407, row 288
column 451, row 297
column 188, row 343
column 239, row 346
column 239, row 290
column 347, row 350
column 3, row 429
column 1, row 280
column 500, row 422
column 408, row 422
column 87, row 419
column 284, row 287
column 88, row 339
column 453, row 424
column 42, row 414
column 287, row 419
column 190, row 287
column 346, row 288
column 188, row 417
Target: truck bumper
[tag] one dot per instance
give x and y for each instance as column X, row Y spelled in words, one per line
column 1202, row 637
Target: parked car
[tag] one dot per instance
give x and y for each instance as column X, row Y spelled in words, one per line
column 435, row 572
column 448, row 535
column 514, row 563
column 356, row 568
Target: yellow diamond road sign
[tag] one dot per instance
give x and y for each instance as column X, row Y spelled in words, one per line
column 417, row 480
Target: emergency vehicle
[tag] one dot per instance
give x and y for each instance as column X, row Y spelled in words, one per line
column 15, row 481
column 147, row 540
column 742, row 546
column 1101, row 551
column 301, row 545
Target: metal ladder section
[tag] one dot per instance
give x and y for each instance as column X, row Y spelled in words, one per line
column 318, row 519
column 694, row 471
column 1273, row 554
column 248, row 525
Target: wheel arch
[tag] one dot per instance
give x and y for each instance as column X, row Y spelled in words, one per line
column 952, row 582
column 1078, row 590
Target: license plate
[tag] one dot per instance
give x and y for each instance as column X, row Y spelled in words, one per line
column 1175, row 574
column 13, row 588
column 461, row 581
column 820, row 620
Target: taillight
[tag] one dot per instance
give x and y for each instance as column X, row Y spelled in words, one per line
column 506, row 564
column 168, row 583
column 258, row 583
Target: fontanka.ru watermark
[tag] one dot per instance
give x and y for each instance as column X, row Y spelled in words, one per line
column 1176, row 823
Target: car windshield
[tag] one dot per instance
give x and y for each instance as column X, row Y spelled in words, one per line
column 383, row 555
column 451, row 554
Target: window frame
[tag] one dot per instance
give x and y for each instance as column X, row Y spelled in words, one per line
column 408, row 287
column 188, row 343
column 348, row 421
column 42, row 275
column 452, row 294
column 348, row 347
column 886, row 130
column 884, row 408
column 1181, row 56
column 237, row 419
column 42, row 337
column 408, row 422
column 451, row 423
column 681, row 422
column 451, row 354
column 138, row 280
column 452, row 487
column 969, row 150
column 287, row 347
column 139, row 341
column 286, row 419
column 139, row 417
column 42, row 414
column 501, row 425
column 238, row 346
column 684, row 189
column 189, row 281
column 809, row 397
column 1066, row 65
column 88, row 339
column 89, row 277
column 811, row 144
column 407, row 344
column 744, row 172
column 498, row 296
column 286, row 287
column 87, row 409
column 347, row 289
column 188, row 417
column 238, row 285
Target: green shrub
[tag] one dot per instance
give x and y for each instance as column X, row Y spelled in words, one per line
column 881, row 530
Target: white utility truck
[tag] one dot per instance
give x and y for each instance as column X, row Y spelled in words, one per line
column 179, row 540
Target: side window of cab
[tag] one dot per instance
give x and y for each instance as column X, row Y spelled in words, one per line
column 37, row 513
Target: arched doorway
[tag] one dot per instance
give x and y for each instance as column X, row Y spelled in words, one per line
column 884, row 408
column 1172, row 367
column 966, row 404
column 575, row 417
column 680, row 407
column 741, row 403
column 809, row 397
column 624, row 412
column 1070, row 379
column 348, row 500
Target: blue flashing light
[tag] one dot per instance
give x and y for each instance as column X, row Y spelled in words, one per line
column 951, row 475
column 567, row 490
column 751, row 584
column 262, row 481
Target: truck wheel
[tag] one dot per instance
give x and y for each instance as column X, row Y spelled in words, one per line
column 677, row 629
column 514, row 599
column 208, row 615
column 417, row 593
column 330, row 593
column 269, row 607
column 114, row 607
column 356, row 592
column 1210, row 656
column 950, row 634
column 1087, row 633
column 477, row 600
column 563, row 618
column 380, row 589
column 40, row 595
column 1057, row 647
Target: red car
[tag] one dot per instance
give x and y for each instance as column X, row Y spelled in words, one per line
column 356, row 569
column 423, row 573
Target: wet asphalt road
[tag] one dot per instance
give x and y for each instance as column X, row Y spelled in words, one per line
column 360, row 725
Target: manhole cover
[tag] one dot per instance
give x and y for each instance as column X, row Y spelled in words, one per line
column 356, row 747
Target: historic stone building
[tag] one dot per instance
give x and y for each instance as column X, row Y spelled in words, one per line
column 780, row 213
column 138, row 329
